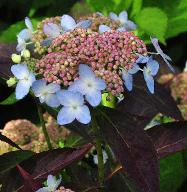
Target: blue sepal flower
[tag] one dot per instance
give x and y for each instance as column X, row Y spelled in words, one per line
column 26, row 34
column 21, row 44
column 123, row 19
column 127, row 76
column 149, row 71
column 165, row 57
column 69, row 24
column 73, row 108
column 46, row 92
column 25, row 80
column 89, row 85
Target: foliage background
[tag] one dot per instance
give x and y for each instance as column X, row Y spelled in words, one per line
column 167, row 20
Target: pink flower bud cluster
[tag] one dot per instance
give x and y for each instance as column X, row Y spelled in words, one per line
column 106, row 53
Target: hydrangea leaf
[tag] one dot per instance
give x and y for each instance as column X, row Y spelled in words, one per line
column 11, row 99
column 153, row 21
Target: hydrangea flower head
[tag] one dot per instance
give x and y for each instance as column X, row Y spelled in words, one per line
column 89, row 85
column 165, row 57
column 46, row 93
column 25, row 79
column 123, row 19
column 26, row 34
column 52, row 184
column 73, row 108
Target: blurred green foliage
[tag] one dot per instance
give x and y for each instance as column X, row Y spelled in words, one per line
column 162, row 19
column 173, row 173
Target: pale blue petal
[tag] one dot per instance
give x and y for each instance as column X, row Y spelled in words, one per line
column 142, row 59
column 83, row 116
column 25, row 34
column 52, row 183
column 101, row 85
column 153, row 66
column 149, row 80
column 169, row 65
column 113, row 16
column 31, row 78
column 52, row 100
column 28, row 24
column 121, row 29
column 84, row 24
column 94, row 98
column 51, row 30
column 44, row 189
column 42, row 98
column 130, row 25
column 20, row 71
column 167, row 57
column 85, row 71
column 38, row 87
column 134, row 69
column 65, row 116
column 67, row 97
column 104, row 28
column 123, row 17
column 22, row 89
column 77, row 86
column 67, row 23
column 163, row 55
column 53, row 87
column 21, row 44
column 127, row 78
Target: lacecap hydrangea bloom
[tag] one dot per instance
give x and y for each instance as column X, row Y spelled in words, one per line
column 80, row 60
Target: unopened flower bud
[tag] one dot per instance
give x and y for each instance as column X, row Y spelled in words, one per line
column 26, row 53
column 16, row 58
column 10, row 82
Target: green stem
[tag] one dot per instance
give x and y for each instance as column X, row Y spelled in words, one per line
column 42, row 121
column 98, row 146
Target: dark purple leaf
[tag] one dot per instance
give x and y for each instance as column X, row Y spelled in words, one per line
column 51, row 162
column 144, row 105
column 133, row 148
column 11, row 159
column 6, row 51
column 169, row 138
column 29, row 184
column 9, row 141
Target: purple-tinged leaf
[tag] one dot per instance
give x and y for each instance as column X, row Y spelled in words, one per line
column 29, row 184
column 144, row 105
column 169, row 138
column 132, row 147
column 9, row 141
column 11, row 159
column 6, row 51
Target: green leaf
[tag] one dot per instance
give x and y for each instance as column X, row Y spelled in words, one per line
column 11, row 159
column 10, row 100
column 136, row 7
column 153, row 21
column 172, row 173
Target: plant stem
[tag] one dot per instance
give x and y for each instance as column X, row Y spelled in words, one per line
column 98, row 146
column 42, row 121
